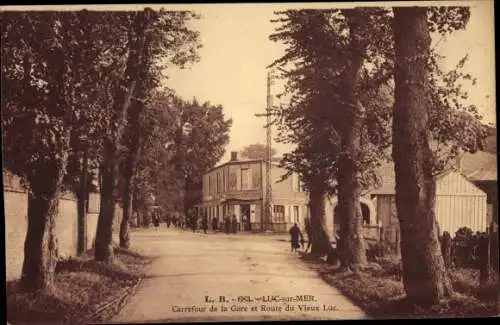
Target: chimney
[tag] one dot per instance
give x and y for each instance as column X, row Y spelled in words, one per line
column 234, row 155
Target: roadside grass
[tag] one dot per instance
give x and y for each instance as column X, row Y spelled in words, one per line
column 85, row 291
column 378, row 289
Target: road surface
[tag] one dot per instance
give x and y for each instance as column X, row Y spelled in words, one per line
column 245, row 277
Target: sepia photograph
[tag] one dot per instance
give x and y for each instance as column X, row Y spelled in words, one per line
column 231, row 162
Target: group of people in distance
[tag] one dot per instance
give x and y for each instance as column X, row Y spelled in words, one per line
column 297, row 239
column 231, row 225
column 193, row 221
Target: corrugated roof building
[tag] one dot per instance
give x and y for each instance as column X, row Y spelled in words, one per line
column 459, row 203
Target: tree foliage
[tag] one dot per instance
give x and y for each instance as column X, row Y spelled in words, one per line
column 257, row 151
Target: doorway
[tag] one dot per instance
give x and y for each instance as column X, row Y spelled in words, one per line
column 246, row 224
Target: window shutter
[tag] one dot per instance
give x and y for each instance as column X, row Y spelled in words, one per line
column 295, row 187
column 249, row 178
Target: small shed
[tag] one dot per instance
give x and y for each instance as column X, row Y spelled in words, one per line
column 459, row 203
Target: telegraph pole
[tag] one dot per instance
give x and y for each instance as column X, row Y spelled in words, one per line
column 269, row 195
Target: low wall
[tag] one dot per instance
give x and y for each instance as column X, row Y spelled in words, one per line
column 16, row 214
column 91, row 228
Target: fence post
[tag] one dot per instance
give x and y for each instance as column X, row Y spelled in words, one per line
column 398, row 244
column 484, row 257
column 446, row 249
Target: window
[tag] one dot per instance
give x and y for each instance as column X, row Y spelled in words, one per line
column 365, row 211
column 209, row 184
column 296, row 217
column 218, row 182
column 224, row 184
column 246, row 179
column 296, row 183
column 279, row 213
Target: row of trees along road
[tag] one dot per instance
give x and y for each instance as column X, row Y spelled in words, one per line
column 361, row 81
column 82, row 87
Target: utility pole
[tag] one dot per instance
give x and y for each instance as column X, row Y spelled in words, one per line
column 269, row 195
column 82, row 200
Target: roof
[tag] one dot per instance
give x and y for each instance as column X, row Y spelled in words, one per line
column 479, row 166
column 234, row 162
column 274, row 162
column 386, row 172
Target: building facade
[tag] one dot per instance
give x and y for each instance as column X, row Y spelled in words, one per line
column 459, row 203
column 238, row 187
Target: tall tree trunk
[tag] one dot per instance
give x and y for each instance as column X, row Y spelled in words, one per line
column 81, row 197
column 103, row 242
column 353, row 252
column 135, row 142
column 424, row 274
column 40, row 246
column 320, row 240
column 132, row 159
column 127, row 212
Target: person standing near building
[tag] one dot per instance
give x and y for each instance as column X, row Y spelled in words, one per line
column 227, row 224
column 234, row 224
column 204, row 222
column 169, row 220
column 156, row 219
column 215, row 223
column 194, row 221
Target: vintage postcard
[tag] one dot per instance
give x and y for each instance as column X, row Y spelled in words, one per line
column 175, row 163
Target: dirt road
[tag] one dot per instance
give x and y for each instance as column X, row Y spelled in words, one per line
column 218, row 277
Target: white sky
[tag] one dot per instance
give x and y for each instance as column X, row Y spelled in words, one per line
column 236, row 50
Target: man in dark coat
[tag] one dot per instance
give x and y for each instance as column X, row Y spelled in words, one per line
column 194, row 221
column 215, row 223
column 169, row 220
column 227, row 224
column 204, row 223
column 234, row 224
column 156, row 220
column 295, row 235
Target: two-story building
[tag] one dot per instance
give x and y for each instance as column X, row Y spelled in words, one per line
column 238, row 187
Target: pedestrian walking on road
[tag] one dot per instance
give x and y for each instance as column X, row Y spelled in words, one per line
column 227, row 224
column 234, row 224
column 156, row 220
column 194, row 222
column 204, row 223
column 295, row 234
column 215, row 223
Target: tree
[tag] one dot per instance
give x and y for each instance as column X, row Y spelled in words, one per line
column 207, row 139
column 339, row 56
column 49, row 72
column 168, row 40
column 424, row 274
column 119, row 109
column 257, row 151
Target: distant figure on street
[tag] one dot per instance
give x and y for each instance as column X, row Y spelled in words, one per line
column 156, row 220
column 227, row 224
column 204, row 223
column 215, row 223
column 244, row 223
column 194, row 222
column 169, row 220
column 295, row 234
column 308, row 229
column 234, row 224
